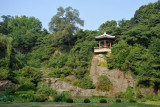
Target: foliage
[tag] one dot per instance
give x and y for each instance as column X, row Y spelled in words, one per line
column 107, row 24
column 25, row 96
column 64, row 25
column 24, row 32
column 132, row 101
column 25, row 48
column 39, row 98
column 69, row 100
column 103, row 101
column 87, row 100
column 121, row 94
column 62, row 97
column 129, row 93
column 28, row 75
column 44, row 89
column 5, row 50
column 4, row 73
column 103, row 83
column 148, row 97
column 139, row 94
column 118, row 100
column 85, row 83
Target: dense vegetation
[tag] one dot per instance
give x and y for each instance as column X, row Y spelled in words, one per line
column 26, row 49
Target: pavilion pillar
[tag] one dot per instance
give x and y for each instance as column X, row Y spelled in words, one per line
column 110, row 45
column 99, row 44
column 104, row 43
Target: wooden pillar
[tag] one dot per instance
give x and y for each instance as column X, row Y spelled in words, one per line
column 110, row 45
column 99, row 44
column 104, row 43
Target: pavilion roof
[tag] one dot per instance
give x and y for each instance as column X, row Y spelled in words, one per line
column 105, row 36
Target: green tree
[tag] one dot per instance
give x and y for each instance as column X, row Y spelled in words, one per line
column 4, row 24
column 24, row 32
column 103, row 83
column 63, row 24
column 107, row 24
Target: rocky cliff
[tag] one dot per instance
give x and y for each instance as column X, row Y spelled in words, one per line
column 62, row 86
column 120, row 80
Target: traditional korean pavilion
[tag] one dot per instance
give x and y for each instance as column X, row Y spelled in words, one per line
column 106, row 39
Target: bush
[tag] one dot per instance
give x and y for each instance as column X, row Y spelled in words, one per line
column 43, row 88
column 132, row 101
column 143, row 100
column 87, row 100
column 40, row 98
column 25, row 96
column 103, row 83
column 4, row 73
column 69, row 100
column 148, row 97
column 120, row 94
column 129, row 93
column 103, row 101
column 62, row 97
column 139, row 95
column 85, row 83
column 118, row 101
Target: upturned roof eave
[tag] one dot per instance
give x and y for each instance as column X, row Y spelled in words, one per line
column 105, row 36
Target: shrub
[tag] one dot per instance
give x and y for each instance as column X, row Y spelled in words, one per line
column 139, row 95
column 103, row 83
column 4, row 73
column 40, row 98
column 143, row 100
column 87, row 100
column 132, row 101
column 120, row 94
column 62, row 97
column 69, row 100
column 43, row 88
column 103, row 101
column 148, row 97
column 129, row 93
column 85, row 83
column 25, row 96
column 118, row 101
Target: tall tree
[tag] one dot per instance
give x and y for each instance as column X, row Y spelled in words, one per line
column 64, row 24
column 107, row 24
column 24, row 32
column 4, row 24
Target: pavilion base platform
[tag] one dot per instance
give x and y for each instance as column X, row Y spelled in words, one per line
column 101, row 50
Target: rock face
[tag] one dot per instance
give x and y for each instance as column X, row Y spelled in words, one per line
column 6, row 84
column 120, row 81
column 62, row 86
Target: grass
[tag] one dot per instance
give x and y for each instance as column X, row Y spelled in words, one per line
column 53, row 104
column 152, row 102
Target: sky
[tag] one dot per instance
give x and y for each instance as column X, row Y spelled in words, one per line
column 93, row 12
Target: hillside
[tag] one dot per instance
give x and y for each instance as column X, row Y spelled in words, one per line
column 66, row 50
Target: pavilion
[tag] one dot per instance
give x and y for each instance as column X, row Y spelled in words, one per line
column 104, row 38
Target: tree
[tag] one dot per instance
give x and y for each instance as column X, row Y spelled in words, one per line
column 4, row 25
column 5, row 50
column 63, row 24
column 107, row 24
column 24, row 32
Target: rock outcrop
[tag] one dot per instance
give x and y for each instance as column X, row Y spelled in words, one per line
column 6, row 84
column 62, row 86
column 120, row 80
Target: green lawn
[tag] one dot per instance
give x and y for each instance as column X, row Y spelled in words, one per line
column 53, row 104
